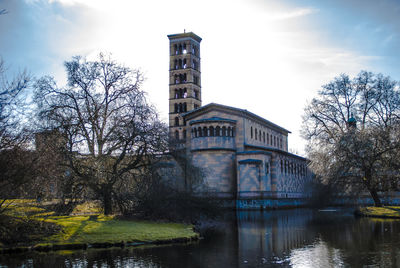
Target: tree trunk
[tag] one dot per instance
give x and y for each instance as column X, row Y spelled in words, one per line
column 107, row 201
column 375, row 197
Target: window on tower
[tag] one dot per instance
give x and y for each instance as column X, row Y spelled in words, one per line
column 184, row 49
column 177, row 135
column 176, row 121
column 184, row 63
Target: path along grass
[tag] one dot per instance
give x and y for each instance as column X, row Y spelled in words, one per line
column 92, row 229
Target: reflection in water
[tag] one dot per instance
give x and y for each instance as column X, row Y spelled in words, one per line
column 286, row 238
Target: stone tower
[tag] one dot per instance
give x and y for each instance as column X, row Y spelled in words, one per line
column 184, row 80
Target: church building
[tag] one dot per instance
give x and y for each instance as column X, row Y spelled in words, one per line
column 244, row 156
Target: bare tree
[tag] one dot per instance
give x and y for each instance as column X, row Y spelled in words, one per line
column 109, row 128
column 12, row 135
column 353, row 131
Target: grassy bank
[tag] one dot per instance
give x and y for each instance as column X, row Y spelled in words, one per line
column 380, row 212
column 90, row 230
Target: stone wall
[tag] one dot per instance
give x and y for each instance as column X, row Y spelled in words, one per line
column 220, row 170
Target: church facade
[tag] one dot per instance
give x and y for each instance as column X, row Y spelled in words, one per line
column 244, row 156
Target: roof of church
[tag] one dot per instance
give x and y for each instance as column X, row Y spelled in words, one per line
column 183, row 35
column 234, row 109
column 212, row 119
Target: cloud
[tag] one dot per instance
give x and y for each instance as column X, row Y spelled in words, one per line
column 300, row 12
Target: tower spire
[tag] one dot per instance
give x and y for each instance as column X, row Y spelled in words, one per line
column 184, row 80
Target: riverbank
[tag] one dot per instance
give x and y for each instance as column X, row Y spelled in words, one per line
column 38, row 229
column 392, row 212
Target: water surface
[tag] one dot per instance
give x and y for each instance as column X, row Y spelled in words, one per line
column 285, row 238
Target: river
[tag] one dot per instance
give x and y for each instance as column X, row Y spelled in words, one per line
column 281, row 238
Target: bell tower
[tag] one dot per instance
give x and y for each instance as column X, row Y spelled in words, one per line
column 184, row 80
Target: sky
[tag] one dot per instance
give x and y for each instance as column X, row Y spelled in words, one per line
column 269, row 57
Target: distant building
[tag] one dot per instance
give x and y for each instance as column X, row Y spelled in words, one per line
column 245, row 156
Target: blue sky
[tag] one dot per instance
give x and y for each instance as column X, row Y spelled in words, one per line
column 269, row 57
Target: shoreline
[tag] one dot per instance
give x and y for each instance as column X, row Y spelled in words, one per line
column 46, row 247
column 386, row 212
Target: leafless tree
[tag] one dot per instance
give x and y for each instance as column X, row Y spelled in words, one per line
column 353, row 133
column 12, row 135
column 111, row 132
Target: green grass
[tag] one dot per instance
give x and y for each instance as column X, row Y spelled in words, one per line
column 100, row 229
column 383, row 212
column 89, row 229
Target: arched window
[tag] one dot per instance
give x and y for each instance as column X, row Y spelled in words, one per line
column 233, row 132
column 176, row 121
column 259, row 135
column 180, row 93
column 264, row 137
column 196, row 94
column 184, row 63
column 205, row 132
column 184, row 134
column 184, row 78
column 223, row 131
column 176, row 49
column 268, row 138
column 255, row 134
column 184, row 49
column 180, row 63
column 176, row 79
column 176, row 64
column 180, row 49
column 217, row 131
column 176, row 107
column 281, row 166
column 212, row 134
column 199, row 130
column 274, row 141
column 251, row 132
column 184, row 93
column 176, row 94
column 177, row 135
column 185, row 107
column 228, row 133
